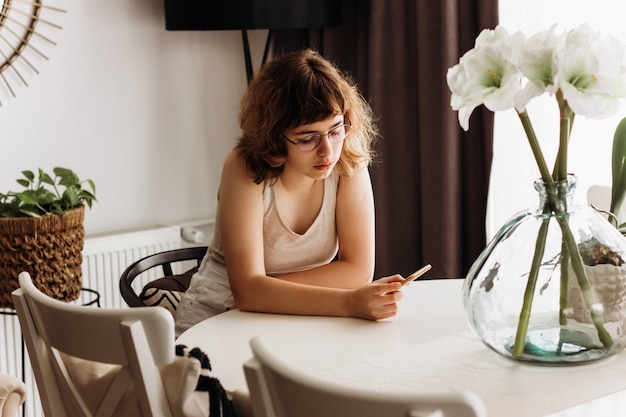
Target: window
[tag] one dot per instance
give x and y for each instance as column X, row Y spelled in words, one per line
column 514, row 168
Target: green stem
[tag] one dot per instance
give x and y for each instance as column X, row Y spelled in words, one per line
column 556, row 203
column 583, row 282
column 534, row 146
column 564, row 291
column 565, row 129
column 522, row 326
column 569, row 247
column 560, row 174
column 524, row 317
column 560, row 166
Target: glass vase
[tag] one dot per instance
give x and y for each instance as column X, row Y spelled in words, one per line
column 550, row 288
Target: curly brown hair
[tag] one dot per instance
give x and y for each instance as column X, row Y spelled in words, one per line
column 300, row 88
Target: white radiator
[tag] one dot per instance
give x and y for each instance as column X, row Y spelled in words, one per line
column 105, row 257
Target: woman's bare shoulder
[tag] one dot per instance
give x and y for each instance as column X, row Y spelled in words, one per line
column 359, row 179
column 234, row 164
column 235, row 171
column 233, row 159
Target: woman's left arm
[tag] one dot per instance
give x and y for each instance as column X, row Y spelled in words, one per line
column 356, row 225
column 355, row 230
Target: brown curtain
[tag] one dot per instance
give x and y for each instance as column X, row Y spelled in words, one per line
column 431, row 179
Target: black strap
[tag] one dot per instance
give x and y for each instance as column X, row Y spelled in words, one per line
column 219, row 404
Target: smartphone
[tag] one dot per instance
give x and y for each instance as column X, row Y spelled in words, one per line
column 415, row 275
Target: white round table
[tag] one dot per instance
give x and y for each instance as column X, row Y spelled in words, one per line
column 428, row 310
column 427, row 346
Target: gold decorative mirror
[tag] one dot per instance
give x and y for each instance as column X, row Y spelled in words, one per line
column 23, row 33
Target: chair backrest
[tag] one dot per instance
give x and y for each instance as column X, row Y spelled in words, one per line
column 164, row 260
column 137, row 340
column 279, row 390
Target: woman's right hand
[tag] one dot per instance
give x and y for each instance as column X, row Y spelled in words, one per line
column 377, row 300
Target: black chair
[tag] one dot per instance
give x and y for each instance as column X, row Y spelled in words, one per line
column 165, row 260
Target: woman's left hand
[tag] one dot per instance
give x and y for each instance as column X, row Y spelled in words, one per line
column 377, row 300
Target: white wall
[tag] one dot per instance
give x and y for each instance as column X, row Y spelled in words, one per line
column 147, row 114
column 514, row 168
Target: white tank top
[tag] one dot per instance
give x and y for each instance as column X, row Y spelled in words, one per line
column 285, row 252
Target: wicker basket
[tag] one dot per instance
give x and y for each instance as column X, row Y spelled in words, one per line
column 49, row 248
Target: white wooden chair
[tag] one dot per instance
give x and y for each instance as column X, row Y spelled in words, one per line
column 278, row 390
column 138, row 340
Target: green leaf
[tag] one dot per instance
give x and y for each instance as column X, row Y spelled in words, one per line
column 62, row 172
column 41, row 194
column 28, row 197
column 24, row 183
column 92, row 185
column 56, row 208
column 29, row 175
column 618, row 167
column 71, row 197
column 45, row 178
column 30, row 213
column 87, row 197
column 67, row 177
column 44, row 197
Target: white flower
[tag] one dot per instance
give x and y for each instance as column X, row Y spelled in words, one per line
column 536, row 62
column 484, row 75
column 504, row 71
column 591, row 72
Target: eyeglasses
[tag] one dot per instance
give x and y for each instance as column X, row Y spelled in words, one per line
column 311, row 142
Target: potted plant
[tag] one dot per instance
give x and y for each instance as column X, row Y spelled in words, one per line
column 602, row 263
column 41, row 231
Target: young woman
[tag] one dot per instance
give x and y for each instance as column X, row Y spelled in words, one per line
column 295, row 194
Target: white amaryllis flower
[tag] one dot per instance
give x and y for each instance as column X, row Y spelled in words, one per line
column 535, row 60
column 591, row 72
column 484, row 75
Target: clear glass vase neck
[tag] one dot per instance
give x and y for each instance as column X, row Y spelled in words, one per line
column 556, row 197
